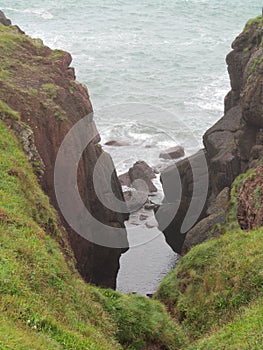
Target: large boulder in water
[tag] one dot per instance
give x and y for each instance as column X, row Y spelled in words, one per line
column 139, row 171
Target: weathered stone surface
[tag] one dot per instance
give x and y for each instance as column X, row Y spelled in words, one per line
column 172, row 153
column 178, row 185
column 203, row 230
column 250, row 201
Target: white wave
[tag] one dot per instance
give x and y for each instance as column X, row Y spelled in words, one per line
column 42, row 13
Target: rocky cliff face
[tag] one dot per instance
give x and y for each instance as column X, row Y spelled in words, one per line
column 232, row 145
column 40, row 85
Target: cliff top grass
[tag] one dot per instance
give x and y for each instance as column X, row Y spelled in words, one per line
column 26, row 71
column 44, row 303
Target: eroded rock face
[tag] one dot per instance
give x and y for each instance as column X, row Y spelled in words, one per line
column 250, row 201
column 232, row 145
column 43, row 89
column 203, row 230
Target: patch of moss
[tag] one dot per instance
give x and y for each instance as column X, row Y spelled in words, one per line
column 6, row 111
column 253, row 22
column 50, row 90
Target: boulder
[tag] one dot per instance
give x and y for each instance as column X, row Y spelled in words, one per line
column 172, row 153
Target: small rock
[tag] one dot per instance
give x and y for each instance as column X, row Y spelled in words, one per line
column 172, row 153
column 116, row 143
column 149, row 295
column 149, row 206
column 143, row 217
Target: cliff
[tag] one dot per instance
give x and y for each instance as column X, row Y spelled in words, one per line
column 232, row 146
column 40, row 100
column 216, row 291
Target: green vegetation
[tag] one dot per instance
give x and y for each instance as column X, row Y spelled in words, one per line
column 217, row 287
column 43, row 301
column 253, row 22
column 243, row 333
column 6, row 111
column 50, row 90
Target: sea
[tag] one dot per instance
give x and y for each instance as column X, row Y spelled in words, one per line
column 157, row 78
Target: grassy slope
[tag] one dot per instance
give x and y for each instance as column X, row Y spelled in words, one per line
column 43, row 301
column 218, row 283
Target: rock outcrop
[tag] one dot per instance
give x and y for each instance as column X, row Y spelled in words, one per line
column 40, row 85
column 232, row 145
column 250, row 201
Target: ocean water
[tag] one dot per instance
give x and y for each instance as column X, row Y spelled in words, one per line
column 156, row 75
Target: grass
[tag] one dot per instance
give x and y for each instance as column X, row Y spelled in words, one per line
column 6, row 111
column 43, row 300
column 216, row 280
column 243, row 333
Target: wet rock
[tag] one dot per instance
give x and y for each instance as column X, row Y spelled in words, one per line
column 172, row 153
column 116, row 143
column 139, row 171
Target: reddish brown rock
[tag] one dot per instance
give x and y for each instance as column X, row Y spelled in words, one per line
column 250, row 201
column 172, row 153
